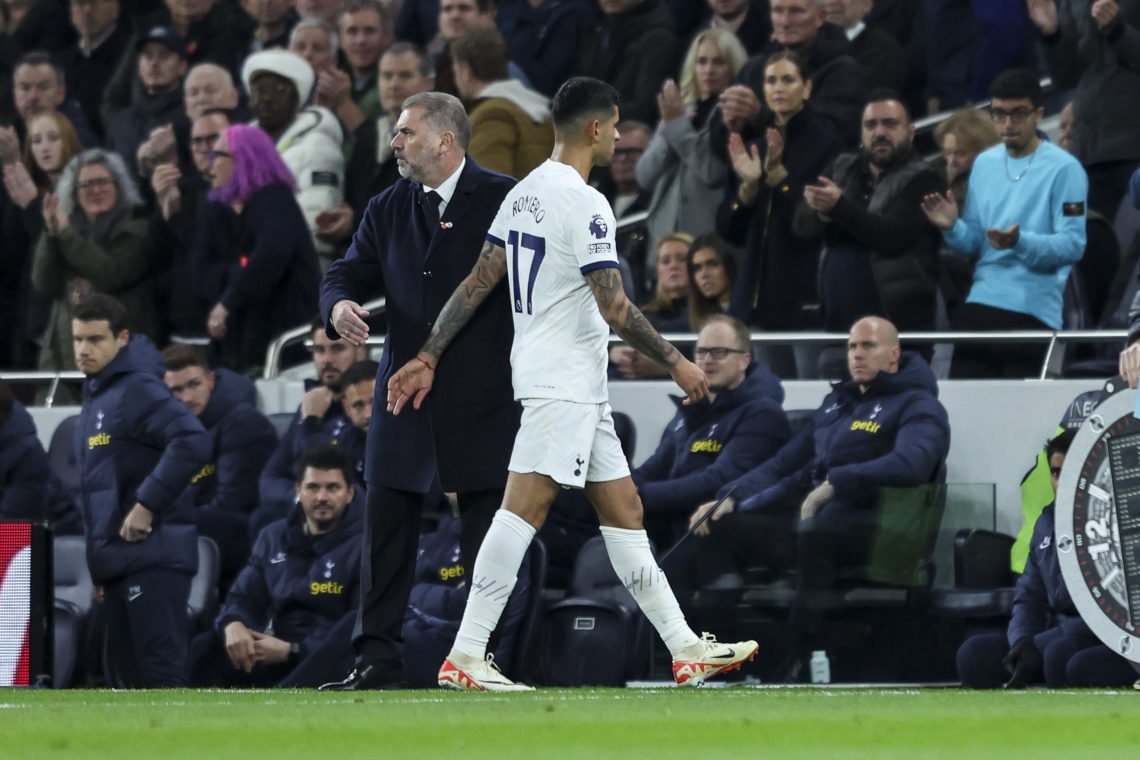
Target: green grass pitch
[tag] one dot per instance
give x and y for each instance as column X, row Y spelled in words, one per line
column 570, row 723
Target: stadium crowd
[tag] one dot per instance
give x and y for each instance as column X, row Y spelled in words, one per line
column 206, row 162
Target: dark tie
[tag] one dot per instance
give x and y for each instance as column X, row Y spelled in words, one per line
column 430, row 207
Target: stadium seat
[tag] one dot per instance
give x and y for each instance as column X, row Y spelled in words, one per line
column 626, row 433
column 281, row 421
column 983, row 582
column 67, row 625
column 797, row 418
column 61, row 453
column 203, row 602
column 597, row 635
column 528, row 627
column 70, row 576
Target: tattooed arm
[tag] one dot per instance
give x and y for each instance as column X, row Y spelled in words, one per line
column 628, row 322
column 414, row 379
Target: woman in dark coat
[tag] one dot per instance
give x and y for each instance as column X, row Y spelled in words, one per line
column 777, row 288
column 254, row 257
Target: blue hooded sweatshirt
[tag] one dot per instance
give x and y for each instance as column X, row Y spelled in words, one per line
column 134, row 442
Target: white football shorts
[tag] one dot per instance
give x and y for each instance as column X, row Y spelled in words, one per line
column 569, row 442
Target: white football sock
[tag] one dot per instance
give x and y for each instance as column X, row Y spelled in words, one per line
column 637, row 569
column 492, row 580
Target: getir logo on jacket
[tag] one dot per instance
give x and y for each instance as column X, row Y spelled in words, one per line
column 711, row 446
column 206, row 471
column 100, row 439
column 331, row 587
column 451, row 573
column 868, row 425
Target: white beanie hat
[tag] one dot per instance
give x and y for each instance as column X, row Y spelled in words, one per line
column 282, row 63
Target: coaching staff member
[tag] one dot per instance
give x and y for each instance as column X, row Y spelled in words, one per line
column 417, row 241
column 136, row 448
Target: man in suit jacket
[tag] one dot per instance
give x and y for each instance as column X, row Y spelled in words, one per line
column 417, row 241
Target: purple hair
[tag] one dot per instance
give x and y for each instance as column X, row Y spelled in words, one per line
column 256, row 164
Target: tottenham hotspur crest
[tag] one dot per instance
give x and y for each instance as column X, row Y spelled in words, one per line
column 329, row 565
column 99, row 420
column 598, row 227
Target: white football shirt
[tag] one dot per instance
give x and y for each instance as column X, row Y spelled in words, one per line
column 555, row 228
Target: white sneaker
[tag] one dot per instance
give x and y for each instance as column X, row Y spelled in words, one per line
column 463, row 672
column 708, row 658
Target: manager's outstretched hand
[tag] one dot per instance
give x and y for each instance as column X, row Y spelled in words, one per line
column 412, row 381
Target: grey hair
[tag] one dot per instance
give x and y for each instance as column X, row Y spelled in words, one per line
column 444, row 112
column 65, row 188
column 320, row 23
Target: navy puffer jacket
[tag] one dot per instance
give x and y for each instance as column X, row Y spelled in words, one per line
column 896, row 434
column 708, row 444
column 137, row 443
column 24, row 468
column 242, row 440
column 305, row 584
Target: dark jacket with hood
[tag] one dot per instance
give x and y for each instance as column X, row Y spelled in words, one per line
column 708, row 444
column 134, row 442
column 635, row 52
column 24, row 468
column 895, row 434
column 242, row 440
column 278, row 478
column 304, row 584
column 1041, row 600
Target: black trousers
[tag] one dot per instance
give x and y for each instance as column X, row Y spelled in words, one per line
column 326, row 661
column 837, row 537
column 388, row 565
column 1013, row 361
column 147, row 629
column 1108, row 182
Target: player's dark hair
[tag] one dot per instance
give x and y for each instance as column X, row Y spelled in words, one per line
column 365, row 369
column 582, row 98
column 1014, row 84
column 1060, row 444
column 325, row 457
column 102, row 306
column 179, row 356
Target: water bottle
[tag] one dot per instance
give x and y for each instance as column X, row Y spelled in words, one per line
column 820, row 667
